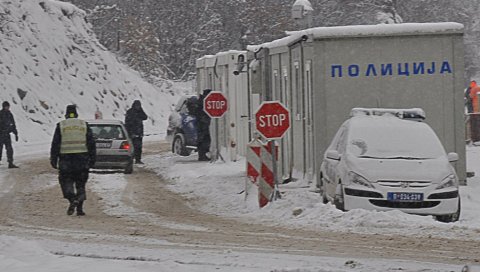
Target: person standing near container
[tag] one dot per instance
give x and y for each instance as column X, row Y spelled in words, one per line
column 474, row 92
column 203, row 128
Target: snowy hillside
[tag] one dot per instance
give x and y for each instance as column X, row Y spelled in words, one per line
column 49, row 57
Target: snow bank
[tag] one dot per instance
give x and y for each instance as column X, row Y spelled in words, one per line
column 51, row 58
column 220, row 186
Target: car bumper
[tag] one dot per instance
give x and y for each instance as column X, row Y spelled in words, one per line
column 112, row 161
column 445, row 201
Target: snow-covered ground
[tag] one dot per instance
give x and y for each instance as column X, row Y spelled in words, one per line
column 50, row 58
column 222, row 186
column 19, row 255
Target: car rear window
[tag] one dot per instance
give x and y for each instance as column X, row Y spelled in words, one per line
column 106, row 131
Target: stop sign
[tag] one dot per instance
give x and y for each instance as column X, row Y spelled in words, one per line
column 272, row 119
column 215, row 104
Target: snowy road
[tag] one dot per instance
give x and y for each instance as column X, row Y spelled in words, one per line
column 136, row 215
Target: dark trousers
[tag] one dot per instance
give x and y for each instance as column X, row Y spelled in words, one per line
column 137, row 148
column 73, row 185
column 204, row 141
column 7, row 141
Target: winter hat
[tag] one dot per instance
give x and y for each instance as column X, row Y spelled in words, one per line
column 136, row 103
column 5, row 104
column 206, row 92
column 71, row 111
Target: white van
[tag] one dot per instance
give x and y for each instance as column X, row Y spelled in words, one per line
column 384, row 159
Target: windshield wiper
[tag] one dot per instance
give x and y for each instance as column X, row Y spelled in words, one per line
column 369, row 157
column 405, row 158
column 393, row 158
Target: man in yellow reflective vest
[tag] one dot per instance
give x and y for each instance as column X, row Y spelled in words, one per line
column 73, row 154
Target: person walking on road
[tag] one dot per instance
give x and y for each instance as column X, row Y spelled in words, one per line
column 134, row 125
column 7, row 126
column 73, row 153
column 203, row 128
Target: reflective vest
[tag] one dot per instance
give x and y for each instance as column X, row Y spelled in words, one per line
column 74, row 136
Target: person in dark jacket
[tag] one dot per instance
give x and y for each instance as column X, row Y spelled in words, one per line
column 203, row 128
column 7, row 126
column 134, row 125
column 73, row 153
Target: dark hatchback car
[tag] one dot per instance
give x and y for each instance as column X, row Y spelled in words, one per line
column 114, row 146
column 182, row 126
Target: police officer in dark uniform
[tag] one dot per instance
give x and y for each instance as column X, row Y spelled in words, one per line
column 134, row 124
column 7, row 126
column 73, row 153
column 203, row 128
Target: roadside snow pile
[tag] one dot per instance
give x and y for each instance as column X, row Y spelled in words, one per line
column 220, row 188
column 50, row 58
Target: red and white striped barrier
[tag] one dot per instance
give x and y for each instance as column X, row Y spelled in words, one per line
column 254, row 163
column 260, row 169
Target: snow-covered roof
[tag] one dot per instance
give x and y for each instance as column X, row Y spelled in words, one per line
column 221, row 54
column 380, row 30
column 364, row 30
column 305, row 3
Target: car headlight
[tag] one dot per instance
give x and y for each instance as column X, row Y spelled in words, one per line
column 359, row 180
column 450, row 181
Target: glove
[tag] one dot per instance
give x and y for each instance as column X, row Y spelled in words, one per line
column 16, row 137
column 53, row 163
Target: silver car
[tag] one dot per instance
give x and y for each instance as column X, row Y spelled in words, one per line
column 114, row 146
column 385, row 159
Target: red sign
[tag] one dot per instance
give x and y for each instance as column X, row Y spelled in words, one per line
column 272, row 119
column 215, row 104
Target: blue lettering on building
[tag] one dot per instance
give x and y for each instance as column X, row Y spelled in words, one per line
column 406, row 69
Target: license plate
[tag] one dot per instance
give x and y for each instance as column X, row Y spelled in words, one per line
column 104, row 145
column 411, row 197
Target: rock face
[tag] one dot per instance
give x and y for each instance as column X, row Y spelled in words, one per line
column 49, row 57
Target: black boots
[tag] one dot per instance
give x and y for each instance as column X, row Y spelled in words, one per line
column 72, row 206
column 75, row 204
column 80, row 209
column 11, row 165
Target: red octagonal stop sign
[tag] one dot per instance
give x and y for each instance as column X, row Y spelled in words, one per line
column 272, row 119
column 215, row 104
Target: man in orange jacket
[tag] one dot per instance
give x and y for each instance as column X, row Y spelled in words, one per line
column 474, row 91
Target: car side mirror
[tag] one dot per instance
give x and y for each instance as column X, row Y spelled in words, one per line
column 452, row 157
column 333, row 155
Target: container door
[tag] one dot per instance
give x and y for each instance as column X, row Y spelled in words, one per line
column 308, row 102
column 286, row 143
column 298, row 115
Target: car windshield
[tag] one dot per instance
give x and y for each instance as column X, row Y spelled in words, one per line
column 108, row 131
column 393, row 138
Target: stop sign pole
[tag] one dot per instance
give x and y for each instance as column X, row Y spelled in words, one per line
column 215, row 105
column 272, row 121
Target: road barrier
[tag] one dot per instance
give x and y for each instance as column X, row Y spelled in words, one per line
column 260, row 169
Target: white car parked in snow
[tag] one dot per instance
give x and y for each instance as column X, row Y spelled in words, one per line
column 384, row 159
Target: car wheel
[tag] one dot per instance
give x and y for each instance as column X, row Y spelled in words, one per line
column 448, row 218
column 129, row 168
column 339, row 200
column 179, row 147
